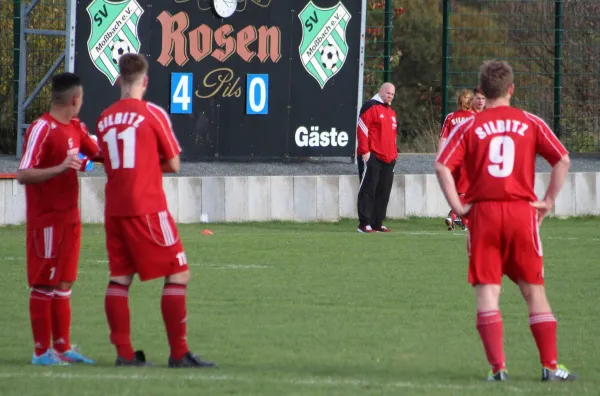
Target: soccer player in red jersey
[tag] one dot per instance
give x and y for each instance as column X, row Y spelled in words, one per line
column 465, row 110
column 48, row 169
column 138, row 144
column 498, row 147
column 479, row 100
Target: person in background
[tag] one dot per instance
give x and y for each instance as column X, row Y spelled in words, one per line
column 479, row 100
column 464, row 100
column 377, row 152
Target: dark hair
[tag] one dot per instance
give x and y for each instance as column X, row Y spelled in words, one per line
column 62, row 87
column 478, row 90
column 495, row 78
column 132, row 67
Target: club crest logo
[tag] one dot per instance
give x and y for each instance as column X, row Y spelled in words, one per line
column 323, row 48
column 113, row 33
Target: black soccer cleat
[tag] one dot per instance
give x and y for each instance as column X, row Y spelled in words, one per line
column 139, row 360
column 190, row 361
column 501, row 375
column 560, row 374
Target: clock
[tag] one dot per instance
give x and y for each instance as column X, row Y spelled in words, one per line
column 224, row 8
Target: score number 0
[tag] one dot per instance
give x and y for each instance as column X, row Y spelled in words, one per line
column 181, row 93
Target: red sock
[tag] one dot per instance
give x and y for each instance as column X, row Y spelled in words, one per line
column 61, row 320
column 116, row 304
column 489, row 326
column 543, row 328
column 174, row 314
column 40, row 313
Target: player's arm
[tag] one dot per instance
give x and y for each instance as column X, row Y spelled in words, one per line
column 445, row 132
column 553, row 151
column 35, row 176
column 557, row 179
column 451, row 156
column 172, row 165
column 89, row 145
column 168, row 146
column 362, row 133
column 34, row 151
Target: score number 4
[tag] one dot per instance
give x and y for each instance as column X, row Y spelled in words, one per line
column 181, row 90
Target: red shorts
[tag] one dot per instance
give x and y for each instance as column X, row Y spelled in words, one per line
column 53, row 254
column 145, row 245
column 503, row 239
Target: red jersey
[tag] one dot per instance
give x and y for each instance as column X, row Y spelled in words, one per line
column 47, row 143
column 134, row 135
column 377, row 130
column 499, row 147
column 451, row 121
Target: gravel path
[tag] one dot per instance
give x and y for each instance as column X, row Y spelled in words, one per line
column 406, row 164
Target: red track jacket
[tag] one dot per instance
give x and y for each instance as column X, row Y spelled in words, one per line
column 377, row 130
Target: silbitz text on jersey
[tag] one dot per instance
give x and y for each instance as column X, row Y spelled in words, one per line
column 501, row 126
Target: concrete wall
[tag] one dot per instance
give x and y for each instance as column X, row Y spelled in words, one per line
column 295, row 198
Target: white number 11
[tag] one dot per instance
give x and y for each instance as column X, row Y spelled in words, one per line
column 128, row 138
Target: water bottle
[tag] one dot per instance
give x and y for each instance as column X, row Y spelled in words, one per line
column 89, row 166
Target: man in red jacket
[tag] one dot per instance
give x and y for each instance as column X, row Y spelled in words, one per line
column 377, row 152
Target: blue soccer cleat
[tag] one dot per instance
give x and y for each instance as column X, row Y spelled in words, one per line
column 49, row 358
column 74, row 356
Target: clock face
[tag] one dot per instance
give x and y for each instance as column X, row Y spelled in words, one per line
column 225, row 8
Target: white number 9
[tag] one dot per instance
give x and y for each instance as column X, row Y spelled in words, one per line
column 502, row 156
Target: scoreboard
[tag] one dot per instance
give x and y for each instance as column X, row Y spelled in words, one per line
column 240, row 78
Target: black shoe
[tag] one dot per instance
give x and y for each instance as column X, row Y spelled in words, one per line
column 560, row 374
column 139, row 360
column 190, row 360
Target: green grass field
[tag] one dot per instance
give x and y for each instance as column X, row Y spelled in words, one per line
column 315, row 309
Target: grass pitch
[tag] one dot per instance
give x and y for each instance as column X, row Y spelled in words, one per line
column 315, row 309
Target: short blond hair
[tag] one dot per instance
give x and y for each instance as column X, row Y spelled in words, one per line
column 132, row 67
column 495, row 78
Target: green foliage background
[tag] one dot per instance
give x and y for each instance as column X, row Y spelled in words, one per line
column 42, row 53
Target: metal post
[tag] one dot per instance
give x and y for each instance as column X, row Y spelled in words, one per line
column 445, row 56
column 70, row 36
column 16, row 59
column 22, row 80
column 558, row 32
column 387, row 52
column 361, row 67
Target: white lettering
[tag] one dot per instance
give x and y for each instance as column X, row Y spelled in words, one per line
column 501, row 126
column 316, row 138
column 480, row 133
column 138, row 121
column 524, row 127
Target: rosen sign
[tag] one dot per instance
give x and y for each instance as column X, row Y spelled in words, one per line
column 240, row 78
